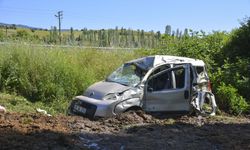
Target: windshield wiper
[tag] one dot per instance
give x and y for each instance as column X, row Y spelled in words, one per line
column 120, row 83
column 108, row 80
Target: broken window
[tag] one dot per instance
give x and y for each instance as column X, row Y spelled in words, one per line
column 167, row 80
column 179, row 78
column 127, row 74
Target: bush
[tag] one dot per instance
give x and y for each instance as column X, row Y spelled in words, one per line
column 54, row 76
column 230, row 101
column 22, row 34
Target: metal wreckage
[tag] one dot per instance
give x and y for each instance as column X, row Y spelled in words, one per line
column 154, row 84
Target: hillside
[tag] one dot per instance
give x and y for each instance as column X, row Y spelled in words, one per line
column 4, row 25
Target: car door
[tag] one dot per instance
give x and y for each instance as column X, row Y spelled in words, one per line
column 168, row 90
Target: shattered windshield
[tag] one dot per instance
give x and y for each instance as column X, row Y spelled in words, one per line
column 127, row 74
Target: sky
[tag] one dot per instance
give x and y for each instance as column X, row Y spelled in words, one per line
column 206, row 15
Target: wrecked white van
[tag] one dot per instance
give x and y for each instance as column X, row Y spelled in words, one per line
column 153, row 84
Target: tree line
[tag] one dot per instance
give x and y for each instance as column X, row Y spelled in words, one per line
column 118, row 37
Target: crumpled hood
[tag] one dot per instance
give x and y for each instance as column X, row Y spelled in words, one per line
column 100, row 89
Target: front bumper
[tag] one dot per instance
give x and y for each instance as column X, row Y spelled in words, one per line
column 89, row 107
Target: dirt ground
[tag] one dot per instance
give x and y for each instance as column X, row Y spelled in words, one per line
column 132, row 130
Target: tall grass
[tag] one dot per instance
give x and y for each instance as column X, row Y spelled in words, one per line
column 54, row 75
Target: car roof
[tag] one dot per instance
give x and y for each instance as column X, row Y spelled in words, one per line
column 152, row 61
column 159, row 59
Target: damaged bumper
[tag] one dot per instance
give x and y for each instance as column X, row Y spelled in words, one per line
column 90, row 107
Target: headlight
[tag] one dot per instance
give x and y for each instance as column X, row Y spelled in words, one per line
column 111, row 96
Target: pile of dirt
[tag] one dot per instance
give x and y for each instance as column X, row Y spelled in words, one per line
column 131, row 130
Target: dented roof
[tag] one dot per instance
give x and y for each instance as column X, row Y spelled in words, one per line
column 151, row 61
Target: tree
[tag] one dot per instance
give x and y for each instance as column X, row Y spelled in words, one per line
column 237, row 65
column 185, row 32
column 13, row 26
column 239, row 45
column 142, row 38
column 53, row 36
column 168, row 30
column 72, row 38
column 177, row 33
column 173, row 34
column 158, row 35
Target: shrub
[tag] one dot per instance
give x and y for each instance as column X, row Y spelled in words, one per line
column 229, row 100
column 54, row 76
column 22, row 34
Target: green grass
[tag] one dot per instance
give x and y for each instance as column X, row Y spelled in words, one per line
column 14, row 103
column 50, row 77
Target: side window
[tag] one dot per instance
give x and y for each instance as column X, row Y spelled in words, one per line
column 179, row 78
column 157, row 84
column 161, row 82
column 164, row 81
column 201, row 74
column 199, row 69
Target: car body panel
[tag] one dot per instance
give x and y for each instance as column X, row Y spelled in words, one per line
column 173, row 99
column 100, row 89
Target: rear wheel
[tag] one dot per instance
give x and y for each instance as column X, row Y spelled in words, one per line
column 204, row 103
column 207, row 108
column 208, row 105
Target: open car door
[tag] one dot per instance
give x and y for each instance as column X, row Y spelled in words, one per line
column 169, row 89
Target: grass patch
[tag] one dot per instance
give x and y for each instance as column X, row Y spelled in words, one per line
column 14, row 103
column 50, row 77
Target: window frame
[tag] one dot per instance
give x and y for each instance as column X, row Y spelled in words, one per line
column 173, row 79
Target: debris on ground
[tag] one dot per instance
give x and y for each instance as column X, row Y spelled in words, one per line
column 42, row 111
column 2, row 109
column 131, row 130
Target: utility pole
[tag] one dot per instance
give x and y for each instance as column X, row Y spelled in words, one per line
column 59, row 16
